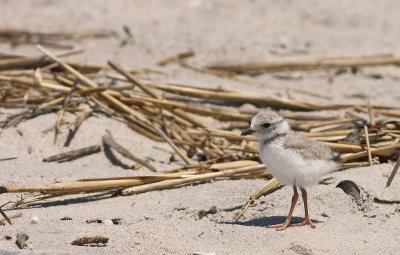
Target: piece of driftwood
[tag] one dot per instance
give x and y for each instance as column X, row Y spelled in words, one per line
column 175, row 58
column 18, row 36
column 74, row 154
column 9, row 158
column 308, row 64
column 5, row 216
column 57, row 35
column 23, row 63
column 393, row 173
column 91, row 241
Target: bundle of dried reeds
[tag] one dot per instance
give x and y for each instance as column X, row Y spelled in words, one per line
column 162, row 112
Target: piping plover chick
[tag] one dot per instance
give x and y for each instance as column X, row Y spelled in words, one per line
column 292, row 158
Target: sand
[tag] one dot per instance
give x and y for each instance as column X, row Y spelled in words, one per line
column 198, row 218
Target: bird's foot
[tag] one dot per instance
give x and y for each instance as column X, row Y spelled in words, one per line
column 285, row 225
column 280, row 226
column 306, row 221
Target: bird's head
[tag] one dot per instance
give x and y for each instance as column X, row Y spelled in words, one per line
column 267, row 124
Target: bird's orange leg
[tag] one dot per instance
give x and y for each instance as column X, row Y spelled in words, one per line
column 307, row 220
column 283, row 226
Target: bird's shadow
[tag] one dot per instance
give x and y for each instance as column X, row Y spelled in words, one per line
column 266, row 221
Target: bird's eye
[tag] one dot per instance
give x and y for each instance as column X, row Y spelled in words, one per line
column 266, row 125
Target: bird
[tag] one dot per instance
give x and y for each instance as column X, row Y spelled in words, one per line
column 292, row 158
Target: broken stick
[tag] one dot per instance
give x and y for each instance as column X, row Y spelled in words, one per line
column 394, row 171
column 91, row 241
column 5, row 216
column 109, row 140
column 74, row 154
column 272, row 184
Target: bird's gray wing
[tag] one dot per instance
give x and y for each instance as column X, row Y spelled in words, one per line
column 308, row 148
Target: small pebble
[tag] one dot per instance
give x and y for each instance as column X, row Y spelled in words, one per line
column 34, row 220
column 324, row 215
column 371, row 216
column 117, row 221
column 108, row 222
column 21, row 240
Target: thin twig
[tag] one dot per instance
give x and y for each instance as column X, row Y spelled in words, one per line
column 109, row 140
column 6, row 159
column 74, row 154
column 115, row 102
column 62, row 110
column 394, row 171
column 175, row 148
column 132, row 79
column 370, row 113
column 368, row 145
column 310, row 64
column 5, row 215
column 175, row 58
column 272, row 184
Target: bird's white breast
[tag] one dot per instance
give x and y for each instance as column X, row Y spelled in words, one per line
column 290, row 168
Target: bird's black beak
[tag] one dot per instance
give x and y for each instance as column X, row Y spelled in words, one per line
column 247, row 131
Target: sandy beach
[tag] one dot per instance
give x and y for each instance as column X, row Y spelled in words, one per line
column 199, row 218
